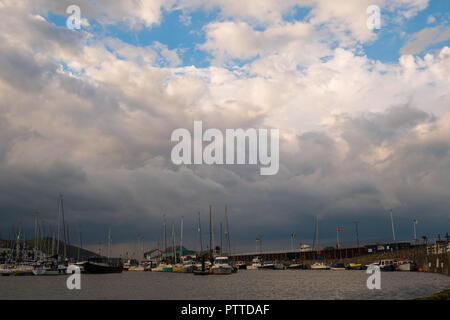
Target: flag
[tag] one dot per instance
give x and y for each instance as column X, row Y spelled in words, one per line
column 415, row 221
column 340, row 229
column 293, row 235
column 257, row 239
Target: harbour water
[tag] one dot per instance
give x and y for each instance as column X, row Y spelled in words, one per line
column 246, row 284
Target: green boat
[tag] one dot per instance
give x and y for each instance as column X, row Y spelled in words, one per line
column 167, row 269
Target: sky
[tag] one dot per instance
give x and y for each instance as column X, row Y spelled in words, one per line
column 363, row 116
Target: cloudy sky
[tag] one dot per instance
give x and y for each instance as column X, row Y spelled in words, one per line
column 363, row 115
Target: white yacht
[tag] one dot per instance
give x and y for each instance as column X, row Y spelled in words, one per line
column 221, row 265
column 319, row 266
column 256, row 263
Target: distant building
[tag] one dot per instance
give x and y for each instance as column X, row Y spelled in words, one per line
column 386, row 247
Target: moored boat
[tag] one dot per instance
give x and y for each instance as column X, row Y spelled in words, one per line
column 93, row 266
column 354, row 266
column 23, row 270
column 256, row 263
column 221, row 265
column 337, row 266
column 279, row 266
column 319, row 266
column 294, row 266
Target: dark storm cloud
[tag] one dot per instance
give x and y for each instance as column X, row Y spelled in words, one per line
column 97, row 130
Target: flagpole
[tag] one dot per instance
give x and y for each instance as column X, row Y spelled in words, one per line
column 337, row 237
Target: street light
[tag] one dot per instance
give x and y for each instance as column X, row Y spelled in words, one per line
column 415, row 234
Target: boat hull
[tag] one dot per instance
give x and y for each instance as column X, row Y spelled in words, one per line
column 48, row 272
column 97, row 268
column 296, row 267
column 406, row 267
column 188, row 269
column 221, row 270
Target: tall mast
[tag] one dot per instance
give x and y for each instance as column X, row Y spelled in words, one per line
column 221, row 238
column 159, row 248
column 173, row 244
column 210, row 232
column 79, row 242
column 109, row 243
column 165, row 238
column 316, row 235
column 58, row 228
column 62, row 221
column 227, row 232
column 18, row 242
column 66, row 239
column 199, row 229
column 181, row 238
column 392, row 223
column 35, row 235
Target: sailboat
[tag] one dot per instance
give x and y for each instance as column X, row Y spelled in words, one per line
column 102, row 265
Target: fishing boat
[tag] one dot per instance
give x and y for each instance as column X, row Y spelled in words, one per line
column 338, row 266
column 405, row 265
column 385, row 264
column 256, row 263
column 319, row 266
column 221, row 265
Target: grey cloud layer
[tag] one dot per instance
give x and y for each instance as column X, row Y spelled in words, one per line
column 357, row 136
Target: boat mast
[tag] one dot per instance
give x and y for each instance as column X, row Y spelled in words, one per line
column 59, row 229
column 221, row 238
column 61, row 220
column 181, row 238
column 392, row 223
column 316, row 235
column 210, row 232
column 199, row 229
column 227, row 232
column 18, row 242
column 80, row 243
column 165, row 237
column 173, row 244
column 109, row 243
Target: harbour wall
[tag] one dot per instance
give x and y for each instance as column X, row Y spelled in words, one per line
column 421, row 255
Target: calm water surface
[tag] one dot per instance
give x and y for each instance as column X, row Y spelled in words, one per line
column 246, row 284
